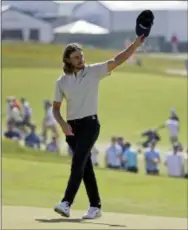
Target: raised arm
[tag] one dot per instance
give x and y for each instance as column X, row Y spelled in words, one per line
column 125, row 54
column 161, row 127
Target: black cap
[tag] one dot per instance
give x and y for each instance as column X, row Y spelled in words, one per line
column 144, row 22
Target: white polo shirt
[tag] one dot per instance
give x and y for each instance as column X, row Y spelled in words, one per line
column 175, row 164
column 81, row 91
column 173, row 127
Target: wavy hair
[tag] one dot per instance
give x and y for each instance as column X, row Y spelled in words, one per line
column 68, row 68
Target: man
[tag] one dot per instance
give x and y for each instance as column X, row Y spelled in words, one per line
column 79, row 87
column 26, row 112
column 16, row 116
column 152, row 160
column 113, row 155
column 175, row 162
column 9, row 100
column 173, row 114
column 49, row 122
column 130, row 159
column 151, row 135
column 173, row 126
column 122, row 143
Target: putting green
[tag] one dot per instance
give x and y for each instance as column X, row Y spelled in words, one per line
column 18, row 217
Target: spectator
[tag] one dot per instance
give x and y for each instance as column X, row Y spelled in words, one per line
column 152, row 160
column 130, row 159
column 15, row 116
column 173, row 114
column 11, row 133
column 113, row 155
column 49, row 122
column 173, row 126
column 9, row 100
column 26, row 112
column 53, row 145
column 94, row 156
column 151, row 136
column 32, row 140
column 174, row 43
column 122, row 143
column 175, row 162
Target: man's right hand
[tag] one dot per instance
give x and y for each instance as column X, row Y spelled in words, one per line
column 67, row 129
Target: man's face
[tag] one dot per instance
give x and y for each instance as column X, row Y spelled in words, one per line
column 120, row 141
column 77, row 60
column 113, row 140
column 153, row 144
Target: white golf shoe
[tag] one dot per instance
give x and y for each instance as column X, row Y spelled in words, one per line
column 92, row 213
column 63, row 209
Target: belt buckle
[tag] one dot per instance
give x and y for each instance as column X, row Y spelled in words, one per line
column 94, row 117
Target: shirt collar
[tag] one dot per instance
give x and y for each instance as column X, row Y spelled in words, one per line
column 80, row 73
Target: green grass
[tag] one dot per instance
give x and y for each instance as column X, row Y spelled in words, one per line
column 128, row 102
column 131, row 100
column 29, row 55
column 38, row 179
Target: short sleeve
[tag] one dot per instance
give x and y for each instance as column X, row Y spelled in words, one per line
column 100, row 70
column 58, row 94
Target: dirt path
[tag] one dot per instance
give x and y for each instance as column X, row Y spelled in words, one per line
column 18, row 217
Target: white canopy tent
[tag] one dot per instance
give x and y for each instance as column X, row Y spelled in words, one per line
column 80, row 27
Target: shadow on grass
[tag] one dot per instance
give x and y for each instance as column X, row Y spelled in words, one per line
column 77, row 220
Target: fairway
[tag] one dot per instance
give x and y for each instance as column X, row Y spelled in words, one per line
column 42, row 218
column 131, row 100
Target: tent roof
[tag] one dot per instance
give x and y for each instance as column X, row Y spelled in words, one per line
column 81, row 27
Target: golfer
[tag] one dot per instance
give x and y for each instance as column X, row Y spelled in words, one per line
column 79, row 87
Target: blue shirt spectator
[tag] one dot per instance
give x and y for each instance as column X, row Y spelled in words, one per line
column 32, row 140
column 11, row 133
column 113, row 155
column 130, row 159
column 152, row 160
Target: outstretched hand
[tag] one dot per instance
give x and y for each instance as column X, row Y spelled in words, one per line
column 139, row 40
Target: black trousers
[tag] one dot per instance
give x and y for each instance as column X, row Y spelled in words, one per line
column 86, row 132
column 113, row 167
column 152, row 172
column 132, row 169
